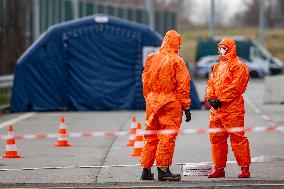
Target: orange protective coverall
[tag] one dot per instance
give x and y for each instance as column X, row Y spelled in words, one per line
column 227, row 83
column 166, row 86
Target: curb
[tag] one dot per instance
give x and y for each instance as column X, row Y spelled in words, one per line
column 4, row 109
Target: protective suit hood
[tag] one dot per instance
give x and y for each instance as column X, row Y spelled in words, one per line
column 172, row 41
column 231, row 51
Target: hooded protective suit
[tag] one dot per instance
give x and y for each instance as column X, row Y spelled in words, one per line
column 227, row 83
column 166, row 86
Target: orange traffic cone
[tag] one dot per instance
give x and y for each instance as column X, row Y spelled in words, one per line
column 132, row 132
column 11, row 148
column 62, row 140
column 138, row 141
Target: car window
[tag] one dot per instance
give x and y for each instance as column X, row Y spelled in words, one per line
column 259, row 54
column 245, row 61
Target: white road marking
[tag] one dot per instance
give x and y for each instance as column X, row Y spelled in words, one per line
column 17, row 119
column 252, row 105
column 256, row 109
column 265, row 117
column 260, row 159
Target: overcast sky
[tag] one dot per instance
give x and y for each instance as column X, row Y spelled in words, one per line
column 201, row 10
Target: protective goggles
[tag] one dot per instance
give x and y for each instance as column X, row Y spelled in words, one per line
column 222, row 50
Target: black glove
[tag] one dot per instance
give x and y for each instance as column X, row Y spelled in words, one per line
column 187, row 114
column 214, row 103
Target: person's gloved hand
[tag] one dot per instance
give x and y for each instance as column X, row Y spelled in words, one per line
column 187, row 114
column 214, row 103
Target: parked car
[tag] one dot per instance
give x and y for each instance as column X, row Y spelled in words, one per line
column 205, row 64
column 251, row 52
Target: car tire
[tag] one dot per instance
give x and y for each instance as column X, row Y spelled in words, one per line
column 254, row 74
column 207, row 76
column 275, row 71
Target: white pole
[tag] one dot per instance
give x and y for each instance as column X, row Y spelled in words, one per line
column 212, row 20
column 261, row 22
column 75, row 9
column 151, row 19
column 36, row 18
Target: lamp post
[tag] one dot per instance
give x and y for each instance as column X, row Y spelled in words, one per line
column 150, row 12
column 212, row 23
column 261, row 22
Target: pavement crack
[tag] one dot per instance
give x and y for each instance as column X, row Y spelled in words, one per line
column 111, row 145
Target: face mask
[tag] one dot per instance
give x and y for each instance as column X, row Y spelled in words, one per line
column 222, row 50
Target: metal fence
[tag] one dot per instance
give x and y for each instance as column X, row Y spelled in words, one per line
column 22, row 21
column 56, row 11
column 6, row 81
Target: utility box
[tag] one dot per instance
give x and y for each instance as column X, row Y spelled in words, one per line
column 274, row 90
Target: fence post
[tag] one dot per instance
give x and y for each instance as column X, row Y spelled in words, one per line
column 149, row 5
column 75, row 6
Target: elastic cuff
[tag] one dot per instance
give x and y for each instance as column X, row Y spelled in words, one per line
column 187, row 108
column 163, row 168
column 219, row 166
column 147, row 168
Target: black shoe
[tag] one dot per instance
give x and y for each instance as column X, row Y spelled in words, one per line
column 147, row 175
column 167, row 175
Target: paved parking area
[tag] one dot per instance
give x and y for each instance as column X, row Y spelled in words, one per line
column 111, row 150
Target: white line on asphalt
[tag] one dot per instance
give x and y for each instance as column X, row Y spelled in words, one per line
column 260, row 159
column 256, row 109
column 265, row 117
column 252, row 105
column 17, row 119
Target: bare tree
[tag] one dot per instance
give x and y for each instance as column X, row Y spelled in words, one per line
column 183, row 9
column 13, row 34
column 221, row 13
column 248, row 16
column 274, row 15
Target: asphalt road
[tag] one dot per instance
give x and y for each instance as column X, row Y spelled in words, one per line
column 111, row 150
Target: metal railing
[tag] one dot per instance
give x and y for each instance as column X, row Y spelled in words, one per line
column 6, row 82
column 22, row 21
column 55, row 11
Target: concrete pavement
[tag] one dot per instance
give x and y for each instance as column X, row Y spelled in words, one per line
column 112, row 151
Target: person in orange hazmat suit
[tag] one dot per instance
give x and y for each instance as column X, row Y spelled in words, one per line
column 226, row 85
column 166, row 87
